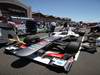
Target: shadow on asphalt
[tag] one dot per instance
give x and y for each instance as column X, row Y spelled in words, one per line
column 52, row 68
column 22, row 62
column 89, row 51
column 57, row 69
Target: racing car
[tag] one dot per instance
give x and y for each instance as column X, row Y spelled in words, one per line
column 54, row 51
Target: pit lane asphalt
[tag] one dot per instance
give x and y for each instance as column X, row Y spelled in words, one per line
column 87, row 64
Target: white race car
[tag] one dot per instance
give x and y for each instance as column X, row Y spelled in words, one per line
column 65, row 33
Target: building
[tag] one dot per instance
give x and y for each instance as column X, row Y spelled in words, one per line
column 14, row 8
column 42, row 17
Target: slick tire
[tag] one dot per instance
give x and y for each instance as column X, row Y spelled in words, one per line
column 30, row 39
column 72, row 47
column 81, row 33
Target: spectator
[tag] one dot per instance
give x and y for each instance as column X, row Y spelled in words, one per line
column 65, row 26
column 52, row 28
column 6, row 30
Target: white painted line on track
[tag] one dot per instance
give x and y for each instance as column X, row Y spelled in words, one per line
column 77, row 54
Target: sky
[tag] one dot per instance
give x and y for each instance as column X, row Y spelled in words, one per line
column 77, row 10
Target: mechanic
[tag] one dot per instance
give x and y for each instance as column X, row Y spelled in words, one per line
column 7, row 29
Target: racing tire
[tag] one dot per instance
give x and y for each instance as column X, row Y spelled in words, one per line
column 81, row 33
column 72, row 47
column 31, row 40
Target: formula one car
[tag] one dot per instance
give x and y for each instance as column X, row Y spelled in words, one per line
column 54, row 51
column 65, row 33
